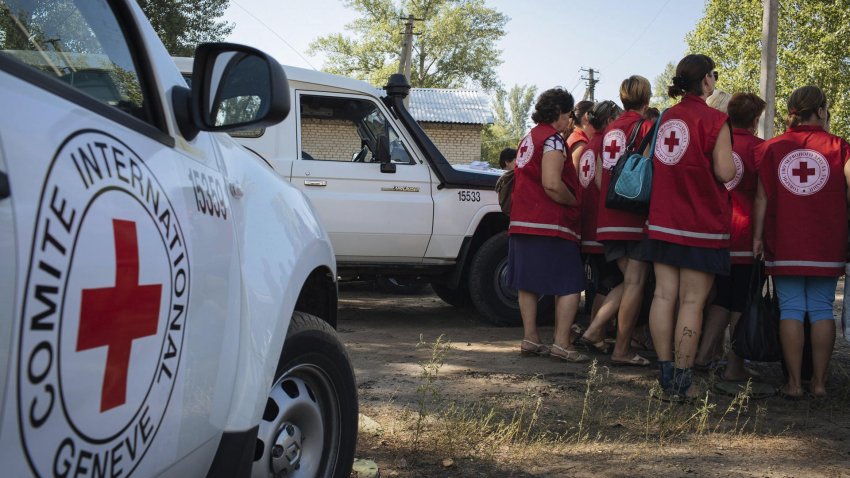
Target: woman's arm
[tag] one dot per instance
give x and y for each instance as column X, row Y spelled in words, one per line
column 721, row 157
column 578, row 150
column 759, row 208
column 552, row 167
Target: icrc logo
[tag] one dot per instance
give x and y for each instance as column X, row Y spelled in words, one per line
column 104, row 312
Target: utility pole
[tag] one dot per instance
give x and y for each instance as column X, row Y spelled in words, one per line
column 767, row 79
column 591, row 83
column 407, row 46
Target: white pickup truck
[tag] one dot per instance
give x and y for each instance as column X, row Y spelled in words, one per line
column 167, row 301
column 392, row 204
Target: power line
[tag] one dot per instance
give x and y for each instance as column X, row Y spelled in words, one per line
column 274, row 33
column 639, row 35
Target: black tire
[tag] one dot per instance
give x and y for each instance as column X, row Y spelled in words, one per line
column 489, row 290
column 400, row 285
column 457, row 297
column 314, row 397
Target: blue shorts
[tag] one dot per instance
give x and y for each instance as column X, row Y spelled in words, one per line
column 799, row 295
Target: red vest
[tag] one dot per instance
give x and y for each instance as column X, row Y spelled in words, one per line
column 589, row 196
column 688, row 205
column 577, row 136
column 532, row 210
column 805, row 228
column 742, row 189
column 612, row 224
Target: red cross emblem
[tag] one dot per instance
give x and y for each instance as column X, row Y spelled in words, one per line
column 671, row 141
column 586, row 169
column 803, row 172
column 612, row 149
column 523, row 149
column 114, row 317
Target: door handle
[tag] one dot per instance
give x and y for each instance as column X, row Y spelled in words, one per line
column 236, row 190
column 5, row 190
column 310, row 182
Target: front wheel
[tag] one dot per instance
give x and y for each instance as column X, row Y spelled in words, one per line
column 488, row 284
column 309, row 426
column 458, row 297
column 489, row 290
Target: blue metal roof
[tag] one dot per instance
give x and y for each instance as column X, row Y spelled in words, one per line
column 441, row 105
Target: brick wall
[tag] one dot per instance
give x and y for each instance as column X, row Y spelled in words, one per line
column 327, row 139
column 459, row 143
column 337, row 140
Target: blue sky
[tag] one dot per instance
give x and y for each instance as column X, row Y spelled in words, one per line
column 546, row 42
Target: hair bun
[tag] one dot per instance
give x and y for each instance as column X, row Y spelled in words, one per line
column 680, row 82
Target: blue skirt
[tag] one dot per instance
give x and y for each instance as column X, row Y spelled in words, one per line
column 544, row 265
column 712, row 261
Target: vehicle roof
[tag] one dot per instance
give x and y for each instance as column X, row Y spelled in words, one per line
column 303, row 75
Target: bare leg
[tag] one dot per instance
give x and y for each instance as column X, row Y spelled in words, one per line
column 716, row 321
column 598, row 300
column 823, row 341
column 634, row 280
column 791, row 336
column 662, row 310
column 694, row 287
column 566, row 307
column 596, row 330
column 735, row 369
column 528, row 311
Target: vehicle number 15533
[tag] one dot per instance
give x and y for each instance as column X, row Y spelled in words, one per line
column 466, row 196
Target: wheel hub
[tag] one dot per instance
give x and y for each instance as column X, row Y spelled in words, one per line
column 286, row 452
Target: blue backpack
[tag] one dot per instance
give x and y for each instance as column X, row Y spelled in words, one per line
column 631, row 178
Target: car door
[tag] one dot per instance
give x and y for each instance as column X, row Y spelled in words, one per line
column 126, row 262
column 371, row 212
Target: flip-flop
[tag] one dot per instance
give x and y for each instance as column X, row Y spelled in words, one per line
column 636, row 361
column 535, row 349
column 787, row 396
column 574, row 356
column 600, row 347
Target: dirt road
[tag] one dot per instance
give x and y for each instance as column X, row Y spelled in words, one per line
column 486, row 411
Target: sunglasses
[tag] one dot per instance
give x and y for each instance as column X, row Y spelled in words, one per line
column 714, row 74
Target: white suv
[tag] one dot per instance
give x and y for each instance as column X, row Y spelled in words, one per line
column 392, row 204
column 167, row 302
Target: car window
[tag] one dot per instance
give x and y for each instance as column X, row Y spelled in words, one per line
column 346, row 129
column 80, row 43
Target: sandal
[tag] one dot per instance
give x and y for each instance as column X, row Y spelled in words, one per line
column 636, row 361
column 574, row 356
column 533, row 349
column 600, row 347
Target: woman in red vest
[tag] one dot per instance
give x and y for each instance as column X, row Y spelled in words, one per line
column 801, row 214
column 689, row 219
column 744, row 110
column 608, row 280
column 620, row 231
column 580, row 130
column 543, row 245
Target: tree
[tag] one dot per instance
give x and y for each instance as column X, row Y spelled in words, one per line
column 455, row 44
column 511, row 110
column 812, row 50
column 660, row 99
column 182, row 24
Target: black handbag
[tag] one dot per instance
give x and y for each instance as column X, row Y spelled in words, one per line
column 756, row 337
column 614, row 200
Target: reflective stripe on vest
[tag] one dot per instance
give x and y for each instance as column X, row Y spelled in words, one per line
column 803, row 264
column 591, row 243
column 740, row 254
column 550, row 227
column 696, row 235
column 618, row 229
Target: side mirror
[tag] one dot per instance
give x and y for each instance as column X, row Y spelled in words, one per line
column 382, row 149
column 234, row 87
